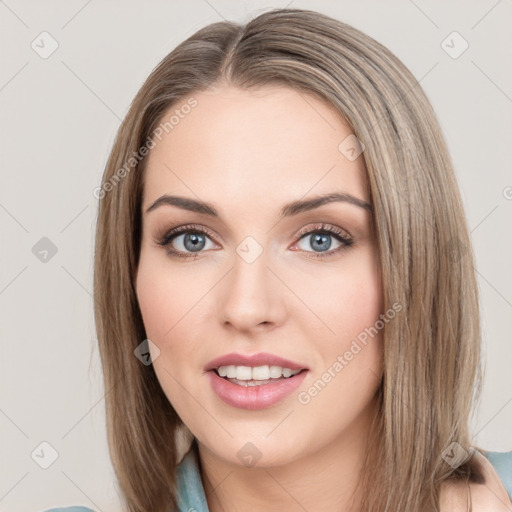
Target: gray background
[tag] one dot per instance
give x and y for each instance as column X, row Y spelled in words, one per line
column 58, row 119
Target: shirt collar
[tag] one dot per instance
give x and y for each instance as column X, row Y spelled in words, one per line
column 191, row 495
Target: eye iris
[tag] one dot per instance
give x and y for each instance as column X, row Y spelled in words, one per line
column 196, row 240
column 321, row 238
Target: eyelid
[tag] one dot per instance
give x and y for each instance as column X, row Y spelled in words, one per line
column 162, row 236
column 324, row 226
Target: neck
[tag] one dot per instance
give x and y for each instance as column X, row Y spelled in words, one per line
column 325, row 480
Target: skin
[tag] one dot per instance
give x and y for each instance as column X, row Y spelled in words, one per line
column 248, row 153
column 490, row 496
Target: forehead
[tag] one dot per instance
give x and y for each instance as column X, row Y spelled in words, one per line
column 270, row 144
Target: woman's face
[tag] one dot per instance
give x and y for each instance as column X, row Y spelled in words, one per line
column 263, row 278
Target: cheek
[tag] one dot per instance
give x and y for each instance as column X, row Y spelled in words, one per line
column 351, row 360
column 174, row 313
column 361, row 305
column 165, row 298
column 346, row 299
column 359, row 319
column 350, row 306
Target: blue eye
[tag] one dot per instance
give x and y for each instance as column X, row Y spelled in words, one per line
column 320, row 238
column 320, row 241
column 195, row 238
column 192, row 241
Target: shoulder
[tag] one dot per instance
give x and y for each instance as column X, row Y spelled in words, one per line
column 502, row 463
column 493, row 495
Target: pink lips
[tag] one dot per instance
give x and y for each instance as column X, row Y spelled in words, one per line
column 254, row 397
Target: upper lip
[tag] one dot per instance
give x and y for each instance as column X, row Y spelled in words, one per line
column 261, row 359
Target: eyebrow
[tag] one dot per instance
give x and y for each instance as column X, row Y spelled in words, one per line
column 288, row 210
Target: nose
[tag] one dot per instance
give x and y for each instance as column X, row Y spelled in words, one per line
column 251, row 295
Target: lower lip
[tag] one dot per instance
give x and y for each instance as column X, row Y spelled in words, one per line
column 254, row 397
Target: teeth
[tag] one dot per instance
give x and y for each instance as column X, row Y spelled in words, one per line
column 287, row 372
column 243, row 372
column 275, row 372
column 258, row 373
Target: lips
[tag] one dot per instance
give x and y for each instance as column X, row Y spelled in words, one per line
column 260, row 359
column 254, row 397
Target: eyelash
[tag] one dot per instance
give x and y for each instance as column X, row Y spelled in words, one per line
column 340, row 235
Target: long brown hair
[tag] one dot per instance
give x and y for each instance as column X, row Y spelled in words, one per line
column 431, row 351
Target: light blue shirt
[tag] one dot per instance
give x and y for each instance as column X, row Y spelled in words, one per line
column 191, row 495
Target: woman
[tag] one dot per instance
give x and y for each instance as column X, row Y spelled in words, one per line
column 285, row 297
